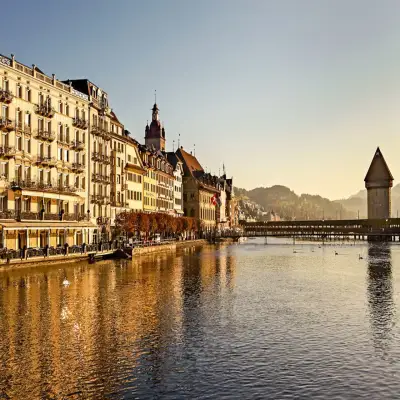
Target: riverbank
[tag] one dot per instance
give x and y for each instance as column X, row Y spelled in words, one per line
column 41, row 261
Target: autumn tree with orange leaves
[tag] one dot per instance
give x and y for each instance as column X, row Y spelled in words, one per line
column 142, row 224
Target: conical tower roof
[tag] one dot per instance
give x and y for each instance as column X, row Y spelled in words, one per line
column 378, row 172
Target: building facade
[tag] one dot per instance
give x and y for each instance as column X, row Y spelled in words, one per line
column 43, row 159
column 177, row 165
column 200, row 191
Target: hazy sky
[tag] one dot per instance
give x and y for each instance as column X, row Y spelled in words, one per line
column 297, row 93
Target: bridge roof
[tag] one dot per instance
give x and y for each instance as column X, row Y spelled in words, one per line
column 378, row 170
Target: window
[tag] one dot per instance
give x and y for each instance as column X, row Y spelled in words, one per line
column 61, row 107
column 19, row 91
column 4, row 170
column 129, row 157
column 118, row 178
column 27, row 121
column 18, row 143
column 28, row 145
column 135, row 160
column 60, row 153
column 118, row 162
column 67, row 109
column 66, row 155
column 4, row 111
column 28, row 94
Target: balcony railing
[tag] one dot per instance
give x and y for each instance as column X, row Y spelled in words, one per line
column 78, row 167
column 27, row 130
column 77, row 145
column 5, row 96
column 43, row 187
column 43, row 134
column 103, row 220
column 45, row 110
column 100, row 132
column 100, row 178
column 42, row 160
column 6, row 124
column 101, row 158
column 80, row 123
column 7, row 151
column 97, row 131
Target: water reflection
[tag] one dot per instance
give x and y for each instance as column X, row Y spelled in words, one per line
column 380, row 294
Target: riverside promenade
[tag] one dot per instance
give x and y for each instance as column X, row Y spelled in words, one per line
column 52, row 255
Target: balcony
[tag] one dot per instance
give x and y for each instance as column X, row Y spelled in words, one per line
column 100, row 178
column 80, row 123
column 103, row 221
column 27, row 130
column 65, row 165
column 77, row 145
column 43, row 186
column 101, row 158
column 7, row 152
column 46, row 161
column 45, row 110
column 97, row 131
column 78, row 167
column 6, row 125
column 44, row 134
column 6, row 96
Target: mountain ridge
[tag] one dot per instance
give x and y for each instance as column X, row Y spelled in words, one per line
column 289, row 205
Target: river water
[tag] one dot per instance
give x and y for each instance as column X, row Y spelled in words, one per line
column 246, row 321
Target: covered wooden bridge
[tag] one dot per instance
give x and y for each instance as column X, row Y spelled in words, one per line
column 361, row 229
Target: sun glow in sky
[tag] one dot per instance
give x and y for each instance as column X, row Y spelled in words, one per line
column 298, row 93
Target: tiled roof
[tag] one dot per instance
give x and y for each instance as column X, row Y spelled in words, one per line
column 190, row 163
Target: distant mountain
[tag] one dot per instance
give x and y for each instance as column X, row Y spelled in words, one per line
column 289, row 205
column 358, row 202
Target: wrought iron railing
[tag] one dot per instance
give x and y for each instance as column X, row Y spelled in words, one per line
column 43, row 134
column 77, row 145
column 6, row 124
column 45, row 110
column 80, row 123
column 7, row 151
column 6, row 96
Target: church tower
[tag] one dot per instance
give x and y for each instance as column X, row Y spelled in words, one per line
column 378, row 183
column 155, row 133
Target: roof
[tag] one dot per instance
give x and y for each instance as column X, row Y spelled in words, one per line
column 378, row 170
column 173, row 158
column 191, row 165
column 82, row 85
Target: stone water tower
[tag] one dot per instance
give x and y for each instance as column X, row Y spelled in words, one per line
column 378, row 183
